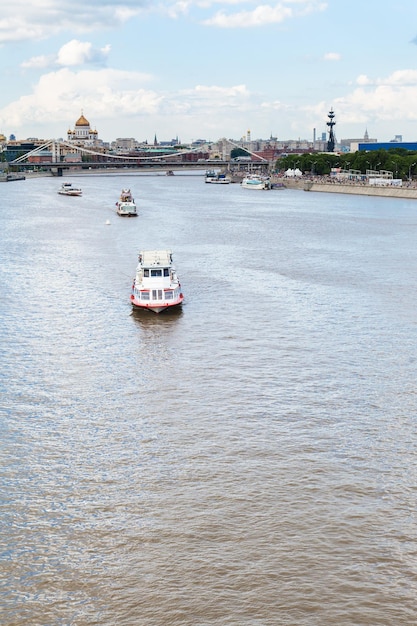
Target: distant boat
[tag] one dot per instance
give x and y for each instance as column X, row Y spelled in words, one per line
column 217, row 178
column 156, row 285
column 126, row 206
column 255, row 181
column 10, row 177
column 169, row 173
column 67, row 189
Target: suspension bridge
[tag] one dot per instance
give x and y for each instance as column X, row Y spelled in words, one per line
column 58, row 156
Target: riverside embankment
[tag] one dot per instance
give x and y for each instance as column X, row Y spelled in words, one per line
column 409, row 192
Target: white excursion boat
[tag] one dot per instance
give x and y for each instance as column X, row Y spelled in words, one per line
column 156, row 286
column 126, row 205
column 218, row 178
column 256, row 181
column 67, row 189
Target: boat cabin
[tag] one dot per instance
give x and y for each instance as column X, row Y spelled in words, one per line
column 156, row 285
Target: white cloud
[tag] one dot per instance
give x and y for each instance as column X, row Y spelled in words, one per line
column 202, row 100
column 363, row 80
column 398, row 78
column 237, row 91
column 70, row 54
column 261, row 15
column 374, row 103
column 20, row 20
column 276, row 105
column 383, row 102
column 123, row 101
column 103, row 93
column 39, row 62
column 80, row 52
column 383, row 99
column 332, row 56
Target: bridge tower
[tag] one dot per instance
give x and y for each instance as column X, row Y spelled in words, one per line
column 330, row 124
column 56, row 151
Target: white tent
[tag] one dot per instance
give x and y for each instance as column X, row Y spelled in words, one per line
column 293, row 173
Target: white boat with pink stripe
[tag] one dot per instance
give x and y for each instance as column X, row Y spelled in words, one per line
column 156, row 285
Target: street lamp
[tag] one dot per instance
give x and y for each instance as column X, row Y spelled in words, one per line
column 312, row 167
column 409, row 171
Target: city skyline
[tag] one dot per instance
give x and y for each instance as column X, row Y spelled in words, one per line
column 211, row 69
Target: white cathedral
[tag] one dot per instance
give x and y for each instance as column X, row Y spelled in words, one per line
column 83, row 134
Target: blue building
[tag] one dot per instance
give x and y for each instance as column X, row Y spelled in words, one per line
column 389, row 145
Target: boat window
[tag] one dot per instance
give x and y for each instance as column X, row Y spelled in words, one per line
column 169, row 295
column 156, row 294
column 146, row 273
column 166, row 271
column 156, row 272
column 144, row 295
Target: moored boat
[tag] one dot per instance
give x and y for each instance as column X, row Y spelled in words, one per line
column 256, row 181
column 217, row 178
column 67, row 189
column 156, row 285
column 7, row 178
column 126, row 205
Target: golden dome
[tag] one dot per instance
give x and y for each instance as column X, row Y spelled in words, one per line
column 82, row 121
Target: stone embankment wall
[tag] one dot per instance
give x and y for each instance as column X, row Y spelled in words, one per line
column 351, row 188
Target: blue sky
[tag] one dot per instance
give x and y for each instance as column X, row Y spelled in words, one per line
column 209, row 68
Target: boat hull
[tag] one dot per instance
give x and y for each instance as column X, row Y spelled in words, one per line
column 68, row 190
column 217, row 178
column 156, row 307
column 126, row 206
column 156, row 286
column 126, row 210
column 256, row 186
column 123, row 214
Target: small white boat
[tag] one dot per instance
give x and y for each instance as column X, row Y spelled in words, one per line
column 126, row 205
column 156, row 286
column 217, row 178
column 67, row 189
column 255, row 181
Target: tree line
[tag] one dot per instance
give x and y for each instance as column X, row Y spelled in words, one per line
column 401, row 162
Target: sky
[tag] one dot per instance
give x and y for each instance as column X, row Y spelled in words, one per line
column 208, row 69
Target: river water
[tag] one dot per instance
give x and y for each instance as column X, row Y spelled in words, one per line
column 247, row 461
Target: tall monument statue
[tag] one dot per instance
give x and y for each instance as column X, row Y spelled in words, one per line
column 330, row 124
